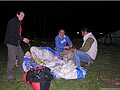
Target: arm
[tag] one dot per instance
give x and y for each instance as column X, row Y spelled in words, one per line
column 57, row 42
column 68, row 40
column 13, row 30
column 87, row 45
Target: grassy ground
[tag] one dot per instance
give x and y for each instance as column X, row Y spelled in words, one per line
column 106, row 66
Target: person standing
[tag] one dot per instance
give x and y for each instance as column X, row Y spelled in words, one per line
column 12, row 40
column 89, row 49
column 61, row 41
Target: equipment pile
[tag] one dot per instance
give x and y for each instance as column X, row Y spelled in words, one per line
column 62, row 65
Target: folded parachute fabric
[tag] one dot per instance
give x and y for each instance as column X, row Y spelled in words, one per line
column 48, row 48
column 53, row 52
column 61, row 66
column 27, row 64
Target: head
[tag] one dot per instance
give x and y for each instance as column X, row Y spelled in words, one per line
column 20, row 15
column 85, row 31
column 62, row 32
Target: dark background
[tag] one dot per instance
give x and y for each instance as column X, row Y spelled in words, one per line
column 45, row 18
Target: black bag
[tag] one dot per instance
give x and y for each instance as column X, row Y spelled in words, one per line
column 40, row 75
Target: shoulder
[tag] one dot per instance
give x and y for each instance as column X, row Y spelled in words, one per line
column 66, row 36
column 90, row 39
column 57, row 37
column 13, row 20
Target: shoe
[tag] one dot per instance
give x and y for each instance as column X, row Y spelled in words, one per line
column 89, row 63
column 11, row 78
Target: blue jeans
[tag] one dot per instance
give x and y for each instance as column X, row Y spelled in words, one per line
column 81, row 56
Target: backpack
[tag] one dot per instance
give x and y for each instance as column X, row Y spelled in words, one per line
column 39, row 78
column 110, row 39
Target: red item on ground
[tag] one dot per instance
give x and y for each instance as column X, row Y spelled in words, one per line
column 43, row 83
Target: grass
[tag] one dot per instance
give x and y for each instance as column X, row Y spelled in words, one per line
column 106, row 65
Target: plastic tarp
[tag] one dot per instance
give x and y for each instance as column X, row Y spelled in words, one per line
column 61, row 66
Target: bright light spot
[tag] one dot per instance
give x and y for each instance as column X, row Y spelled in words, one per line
column 78, row 32
column 100, row 33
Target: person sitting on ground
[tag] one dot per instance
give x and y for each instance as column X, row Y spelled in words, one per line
column 61, row 41
column 89, row 49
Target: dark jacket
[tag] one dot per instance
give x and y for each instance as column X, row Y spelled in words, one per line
column 12, row 34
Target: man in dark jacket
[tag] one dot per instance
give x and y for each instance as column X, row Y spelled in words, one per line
column 12, row 40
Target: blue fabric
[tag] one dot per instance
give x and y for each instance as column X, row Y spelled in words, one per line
column 28, row 63
column 79, row 74
column 61, row 43
column 33, row 64
column 27, row 66
column 53, row 52
column 53, row 74
column 81, row 56
column 84, row 69
column 60, row 57
column 26, row 59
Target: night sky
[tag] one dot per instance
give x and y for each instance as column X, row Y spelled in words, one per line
column 45, row 18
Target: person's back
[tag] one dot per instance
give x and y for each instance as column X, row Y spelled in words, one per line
column 92, row 51
column 89, row 49
column 12, row 34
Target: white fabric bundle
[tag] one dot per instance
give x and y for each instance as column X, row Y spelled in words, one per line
column 42, row 54
column 62, row 68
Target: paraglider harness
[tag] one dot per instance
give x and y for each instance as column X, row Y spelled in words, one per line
column 39, row 78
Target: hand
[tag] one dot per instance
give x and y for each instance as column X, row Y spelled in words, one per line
column 70, row 46
column 73, row 49
column 66, row 47
column 26, row 40
column 81, row 48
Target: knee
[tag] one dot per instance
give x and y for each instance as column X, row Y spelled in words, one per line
column 76, row 52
